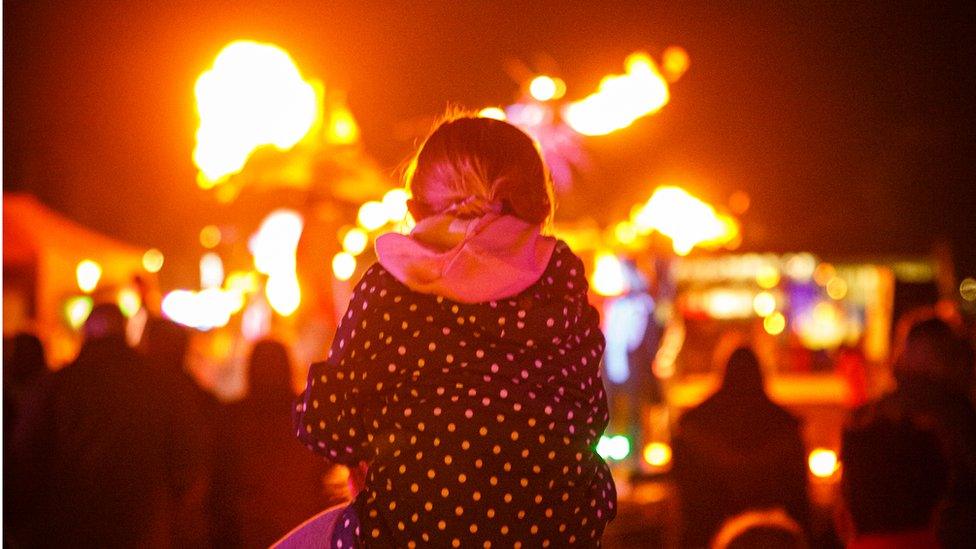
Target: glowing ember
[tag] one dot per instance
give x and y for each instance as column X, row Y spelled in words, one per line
column 253, row 96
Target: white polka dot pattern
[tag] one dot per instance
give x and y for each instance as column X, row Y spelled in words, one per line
column 478, row 421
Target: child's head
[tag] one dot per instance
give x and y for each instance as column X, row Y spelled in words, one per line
column 470, row 166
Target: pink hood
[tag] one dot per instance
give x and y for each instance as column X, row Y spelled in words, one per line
column 467, row 260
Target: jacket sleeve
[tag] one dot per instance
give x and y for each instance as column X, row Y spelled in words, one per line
column 328, row 413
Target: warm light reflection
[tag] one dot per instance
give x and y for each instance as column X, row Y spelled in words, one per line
column 87, row 274
column 657, row 454
column 253, row 96
column 620, row 99
column 492, row 112
column 823, row 463
column 608, row 278
column 967, row 289
column 343, row 266
column 152, row 260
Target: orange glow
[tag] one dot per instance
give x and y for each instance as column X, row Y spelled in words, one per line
column 343, row 129
column 675, row 62
column 276, row 241
column 343, row 266
column 152, row 260
column 211, row 271
column 87, row 274
column 493, row 112
column 685, row 219
column 823, row 328
column 775, row 323
column 739, row 202
column 823, row 463
column 620, row 99
column 545, row 88
column 253, row 96
column 625, row 232
column 657, row 454
column 823, row 273
column 210, row 236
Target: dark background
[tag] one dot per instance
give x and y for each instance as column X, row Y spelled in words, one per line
column 851, row 127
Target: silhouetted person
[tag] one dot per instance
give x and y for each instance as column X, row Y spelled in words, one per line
column 893, row 476
column 930, row 375
column 266, row 482
column 24, row 373
column 165, row 345
column 107, row 464
column 737, row 451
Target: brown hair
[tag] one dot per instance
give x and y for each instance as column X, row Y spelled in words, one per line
column 472, row 165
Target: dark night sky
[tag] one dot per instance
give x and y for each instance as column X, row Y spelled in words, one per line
column 852, row 128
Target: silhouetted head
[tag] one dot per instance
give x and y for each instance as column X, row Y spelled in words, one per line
column 269, row 370
column 743, row 374
column 893, row 473
column 166, row 343
column 105, row 321
column 933, row 351
column 470, row 166
column 26, row 358
column 760, row 529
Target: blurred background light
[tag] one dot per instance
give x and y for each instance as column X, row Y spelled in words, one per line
column 823, row 462
column 87, row 274
column 152, row 260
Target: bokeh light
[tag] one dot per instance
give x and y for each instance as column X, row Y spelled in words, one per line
column 343, row 266
column 657, row 454
column 152, row 260
column 775, row 323
column 77, row 309
column 764, row 304
column 967, row 289
column 546, row 88
column 128, row 301
column 492, row 112
column 608, row 278
column 87, row 274
column 355, row 241
column 372, row 215
column 823, row 462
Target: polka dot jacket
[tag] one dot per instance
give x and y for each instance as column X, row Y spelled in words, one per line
column 478, row 421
